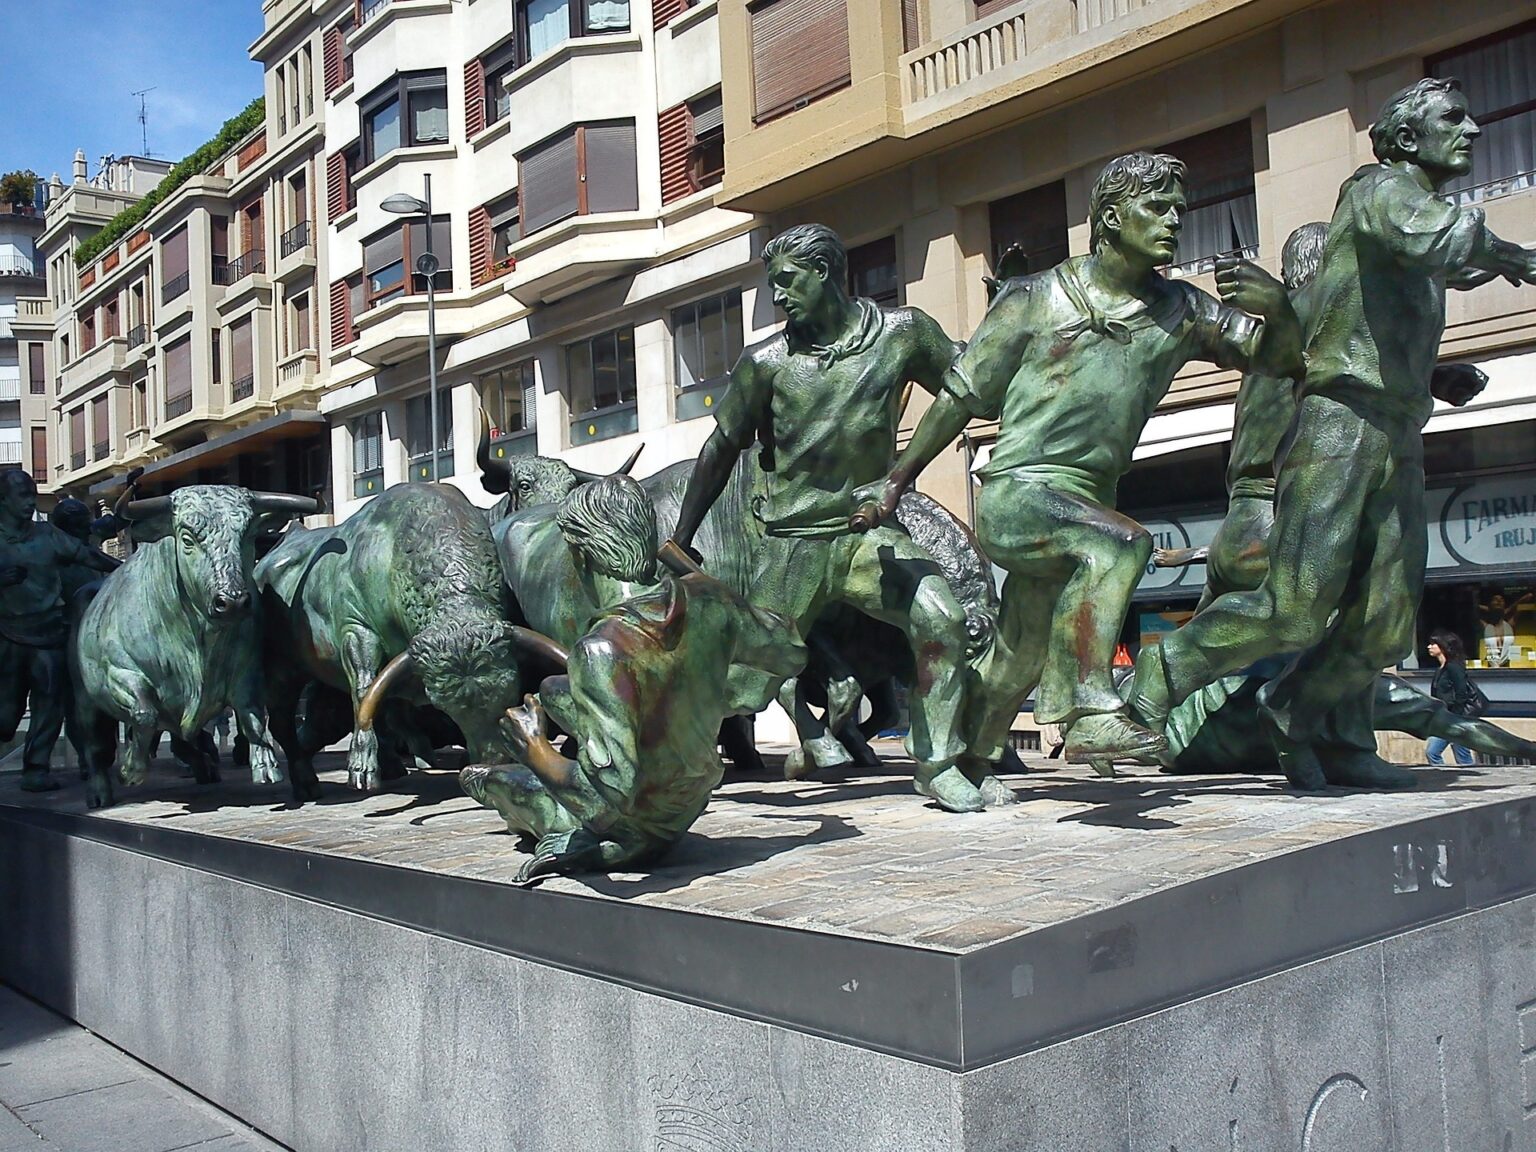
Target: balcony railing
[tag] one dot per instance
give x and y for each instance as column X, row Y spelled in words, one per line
column 102, row 449
column 243, row 388
column 368, row 9
column 10, row 451
column 1493, row 189
column 294, row 239
column 17, row 266
column 175, row 287
column 77, row 460
column 237, row 270
column 10, row 388
column 137, row 335
column 178, row 405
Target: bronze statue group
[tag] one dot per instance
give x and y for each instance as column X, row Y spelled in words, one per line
column 591, row 670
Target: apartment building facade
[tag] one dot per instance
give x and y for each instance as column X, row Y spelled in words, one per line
column 947, row 130
column 592, row 294
column 21, row 278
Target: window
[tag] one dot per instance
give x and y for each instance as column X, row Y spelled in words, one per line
column 37, row 373
column 388, row 254
column 307, row 78
column 174, row 278
column 216, row 343
column 799, row 53
column 707, row 156
column 493, row 230
column 601, row 371
column 242, row 361
column 109, row 326
column 1498, row 75
column 1035, row 221
column 546, row 24
column 39, row 453
column 506, row 224
column 367, row 454
column 707, row 335
column 408, row 111
column 588, row 169
column 178, row 378
column 418, row 442
column 77, row 437
column 509, row 398
column 101, row 435
column 496, row 65
column 298, row 323
column 872, row 272
column 340, row 168
column 140, row 403
column 87, row 332
column 1223, row 214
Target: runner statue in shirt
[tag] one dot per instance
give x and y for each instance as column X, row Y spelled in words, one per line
column 1349, row 545
column 823, row 400
column 1074, row 360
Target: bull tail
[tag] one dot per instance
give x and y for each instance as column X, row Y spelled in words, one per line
column 389, row 678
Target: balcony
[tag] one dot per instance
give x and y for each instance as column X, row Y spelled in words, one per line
column 101, row 361
column 234, row 271
column 10, row 452
column 10, row 385
column 176, row 406
column 174, row 287
column 137, row 335
column 18, row 267
column 366, row 10
column 297, row 371
column 295, row 239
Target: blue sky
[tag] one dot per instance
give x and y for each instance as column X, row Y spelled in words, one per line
column 70, row 69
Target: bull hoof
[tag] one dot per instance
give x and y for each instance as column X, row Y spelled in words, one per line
column 264, row 767
column 951, row 790
column 363, row 762
column 98, row 791
column 996, row 793
column 38, row 780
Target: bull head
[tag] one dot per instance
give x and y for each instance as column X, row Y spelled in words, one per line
column 213, row 529
column 533, row 480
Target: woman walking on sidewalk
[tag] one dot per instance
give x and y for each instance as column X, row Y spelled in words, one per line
column 1451, row 687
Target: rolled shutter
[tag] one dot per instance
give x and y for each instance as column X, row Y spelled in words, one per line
column 178, row 370
column 341, row 314
column 174, row 257
column 336, row 184
column 911, row 36
column 479, row 245
column 474, row 96
column 613, row 184
column 676, row 141
column 242, row 362
column 799, row 51
column 332, row 56
column 547, row 180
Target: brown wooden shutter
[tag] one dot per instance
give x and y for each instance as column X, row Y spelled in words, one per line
column 676, row 126
column 77, row 430
column 332, row 54
column 911, row 33
column 173, row 256
column 336, row 184
column 341, row 314
column 664, row 11
column 39, row 453
column 242, row 362
column 985, row 8
column 474, row 96
column 547, row 176
column 178, row 370
column 799, row 51
column 479, row 245
column 613, row 184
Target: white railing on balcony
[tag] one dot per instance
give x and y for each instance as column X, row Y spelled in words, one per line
column 10, row 382
column 996, row 42
column 10, row 451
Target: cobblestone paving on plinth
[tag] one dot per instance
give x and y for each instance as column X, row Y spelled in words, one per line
column 860, row 854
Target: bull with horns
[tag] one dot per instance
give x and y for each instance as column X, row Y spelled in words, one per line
column 405, row 599
column 170, row 639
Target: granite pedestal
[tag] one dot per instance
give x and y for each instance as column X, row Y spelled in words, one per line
column 1153, row 964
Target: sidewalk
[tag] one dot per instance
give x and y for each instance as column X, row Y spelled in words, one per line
column 65, row 1090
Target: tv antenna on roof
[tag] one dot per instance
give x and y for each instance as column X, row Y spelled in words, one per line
column 144, row 121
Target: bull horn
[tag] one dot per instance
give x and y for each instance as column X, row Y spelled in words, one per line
column 270, row 502
column 388, row 679
column 621, row 470
column 130, row 486
column 906, row 398
column 143, row 509
column 538, row 644
column 495, row 475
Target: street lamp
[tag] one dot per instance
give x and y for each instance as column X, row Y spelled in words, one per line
column 404, row 204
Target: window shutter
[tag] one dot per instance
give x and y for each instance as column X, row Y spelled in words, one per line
column 341, row 314
column 799, row 51
column 99, row 425
column 985, row 8
column 242, row 363
column 336, row 184
column 479, row 245
column 547, row 176
column 664, row 11
column 613, row 185
column 174, row 253
column 676, row 141
column 178, row 370
column 332, row 56
column 474, row 96
column 911, row 34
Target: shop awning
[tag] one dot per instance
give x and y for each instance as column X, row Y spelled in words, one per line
column 289, row 425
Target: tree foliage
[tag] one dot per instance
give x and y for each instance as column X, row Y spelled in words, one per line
column 19, row 187
column 234, row 129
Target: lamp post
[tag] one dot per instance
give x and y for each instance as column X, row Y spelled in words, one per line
column 404, row 204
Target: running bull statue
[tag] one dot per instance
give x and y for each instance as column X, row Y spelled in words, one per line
column 405, row 598
column 169, row 640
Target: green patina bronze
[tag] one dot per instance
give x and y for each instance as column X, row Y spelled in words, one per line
column 1072, row 361
column 41, row 567
column 822, row 400
column 1347, row 553
column 406, row 598
column 662, row 662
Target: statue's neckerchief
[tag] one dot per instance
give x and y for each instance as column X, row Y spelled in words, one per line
column 1094, row 319
column 864, row 334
